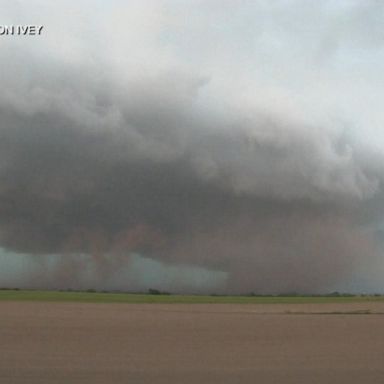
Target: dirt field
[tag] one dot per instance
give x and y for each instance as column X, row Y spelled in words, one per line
column 158, row 343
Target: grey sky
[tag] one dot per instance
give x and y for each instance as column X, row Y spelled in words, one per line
column 239, row 137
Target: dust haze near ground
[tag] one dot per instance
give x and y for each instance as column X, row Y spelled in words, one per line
column 249, row 146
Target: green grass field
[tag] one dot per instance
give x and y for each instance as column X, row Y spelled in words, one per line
column 97, row 297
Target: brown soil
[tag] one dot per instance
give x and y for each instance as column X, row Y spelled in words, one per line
column 51, row 343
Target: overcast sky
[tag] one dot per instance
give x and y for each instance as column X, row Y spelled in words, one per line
column 230, row 146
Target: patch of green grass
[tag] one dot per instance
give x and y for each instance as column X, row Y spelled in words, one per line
column 98, row 297
column 356, row 312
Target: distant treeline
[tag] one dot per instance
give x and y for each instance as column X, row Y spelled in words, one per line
column 154, row 291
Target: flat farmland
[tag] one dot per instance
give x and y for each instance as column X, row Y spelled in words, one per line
column 76, row 342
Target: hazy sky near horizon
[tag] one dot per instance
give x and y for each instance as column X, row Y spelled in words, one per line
column 238, row 144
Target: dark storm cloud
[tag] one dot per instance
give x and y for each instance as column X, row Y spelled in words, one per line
column 160, row 183
column 164, row 163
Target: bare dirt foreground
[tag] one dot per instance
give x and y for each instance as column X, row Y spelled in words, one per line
column 177, row 343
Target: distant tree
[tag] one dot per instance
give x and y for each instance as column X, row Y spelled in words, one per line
column 152, row 291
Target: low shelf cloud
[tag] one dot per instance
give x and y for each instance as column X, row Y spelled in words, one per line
column 237, row 141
